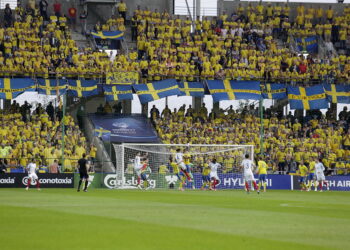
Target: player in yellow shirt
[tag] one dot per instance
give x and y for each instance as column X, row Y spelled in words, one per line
column 303, row 172
column 187, row 161
column 205, row 176
column 262, row 171
column 311, row 175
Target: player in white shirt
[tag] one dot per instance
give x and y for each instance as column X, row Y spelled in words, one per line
column 213, row 165
column 179, row 159
column 319, row 171
column 32, row 176
column 137, row 168
column 248, row 175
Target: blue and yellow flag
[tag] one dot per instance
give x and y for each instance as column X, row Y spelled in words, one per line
column 117, row 92
column 51, row 86
column 274, row 91
column 308, row 44
column 113, row 35
column 307, row 98
column 82, row 88
column 11, row 88
column 337, row 93
column 130, row 77
column 154, row 91
column 102, row 133
column 234, row 90
column 195, row 89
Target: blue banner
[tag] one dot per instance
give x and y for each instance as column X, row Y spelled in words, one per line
column 274, row 91
column 234, row 90
column 308, row 44
column 307, row 98
column 124, row 128
column 82, row 88
column 195, row 89
column 117, row 92
column 11, row 88
column 113, row 35
column 337, row 93
column 51, row 86
column 154, row 91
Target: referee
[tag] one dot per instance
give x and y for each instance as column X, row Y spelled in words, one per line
column 82, row 164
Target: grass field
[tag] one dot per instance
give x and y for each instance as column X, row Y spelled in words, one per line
column 133, row 219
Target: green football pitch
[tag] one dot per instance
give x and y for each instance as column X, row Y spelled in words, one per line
column 135, row 219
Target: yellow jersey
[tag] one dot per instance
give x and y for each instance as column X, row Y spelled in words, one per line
column 312, row 167
column 206, row 170
column 303, row 171
column 262, row 167
column 187, row 158
column 175, row 168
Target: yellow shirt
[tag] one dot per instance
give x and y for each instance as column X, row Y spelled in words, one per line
column 262, row 167
column 303, row 170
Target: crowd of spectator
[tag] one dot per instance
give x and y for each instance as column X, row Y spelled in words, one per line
column 288, row 140
column 27, row 133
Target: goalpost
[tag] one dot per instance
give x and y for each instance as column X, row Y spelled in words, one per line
column 163, row 175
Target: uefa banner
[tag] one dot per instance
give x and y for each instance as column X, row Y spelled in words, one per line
column 170, row 181
column 45, row 180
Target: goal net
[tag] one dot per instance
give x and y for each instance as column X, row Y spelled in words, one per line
column 164, row 173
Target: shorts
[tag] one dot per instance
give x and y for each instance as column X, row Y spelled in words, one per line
column 205, row 178
column 182, row 166
column 320, row 177
column 144, row 176
column 214, row 176
column 302, row 179
column 84, row 175
column 262, row 177
column 311, row 177
column 33, row 176
column 249, row 177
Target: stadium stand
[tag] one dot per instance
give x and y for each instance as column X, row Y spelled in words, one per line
column 25, row 134
column 287, row 139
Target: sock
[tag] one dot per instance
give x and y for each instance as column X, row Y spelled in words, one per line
column 86, row 184
column 255, row 186
column 320, row 185
column 259, row 185
column 138, row 180
column 247, row 186
column 325, row 183
column 28, row 184
column 264, row 186
column 37, row 183
column 80, row 181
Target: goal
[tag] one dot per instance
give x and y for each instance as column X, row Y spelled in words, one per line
column 163, row 175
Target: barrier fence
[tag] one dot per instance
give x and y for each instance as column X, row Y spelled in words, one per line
column 162, row 181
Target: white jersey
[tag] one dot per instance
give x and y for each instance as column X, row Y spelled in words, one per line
column 319, row 168
column 31, row 168
column 137, row 162
column 214, row 170
column 179, row 157
column 247, row 167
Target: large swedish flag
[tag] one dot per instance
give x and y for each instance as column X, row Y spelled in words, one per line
column 337, row 93
column 153, row 91
column 82, row 88
column 274, row 91
column 309, row 44
column 234, row 90
column 117, row 92
column 11, row 88
column 103, row 133
column 195, row 89
column 114, row 35
column 307, row 98
column 51, row 86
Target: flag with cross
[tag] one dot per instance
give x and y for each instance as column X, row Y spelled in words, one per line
column 234, row 90
column 274, row 91
column 307, row 98
column 51, row 86
column 195, row 89
column 337, row 93
column 82, row 88
column 117, row 92
column 10, row 88
column 154, row 91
